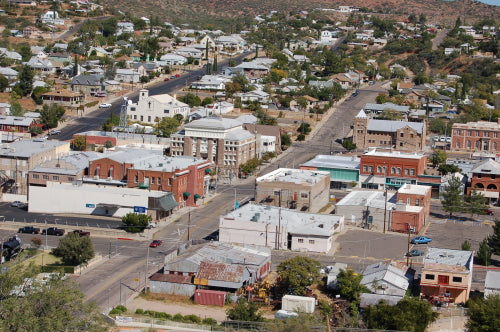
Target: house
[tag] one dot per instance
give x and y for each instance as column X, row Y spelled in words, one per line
column 5, row 108
column 446, row 275
column 173, row 59
column 388, row 278
column 127, row 75
column 372, row 110
column 268, row 137
column 151, row 109
column 251, row 69
column 98, row 51
column 279, row 228
column 256, row 95
column 401, row 135
column 189, row 52
column 492, row 283
column 43, row 65
column 63, row 97
column 145, row 68
column 19, row 124
column 17, row 158
column 344, row 171
column 214, row 266
column 220, row 140
column 86, row 84
column 51, row 17
column 486, row 180
column 9, row 73
column 303, row 190
column 31, row 32
column 476, row 136
column 10, row 54
column 333, row 271
column 345, row 81
column 209, row 82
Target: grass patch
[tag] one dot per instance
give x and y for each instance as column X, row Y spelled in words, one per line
column 166, row 298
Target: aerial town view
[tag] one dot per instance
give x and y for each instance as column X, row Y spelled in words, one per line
column 245, row 166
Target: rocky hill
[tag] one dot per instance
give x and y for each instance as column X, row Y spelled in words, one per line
column 205, row 11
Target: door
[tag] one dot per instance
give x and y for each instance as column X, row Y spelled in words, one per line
column 443, row 280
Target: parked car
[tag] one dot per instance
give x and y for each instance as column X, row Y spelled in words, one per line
column 442, row 139
column 100, row 94
column 415, row 252
column 448, row 139
column 105, row 105
column 155, row 243
column 81, row 233
column 489, row 212
column 54, row 132
column 29, row 230
column 53, row 231
column 435, row 138
column 16, row 204
column 421, row 240
column 166, row 79
column 177, row 75
column 172, row 77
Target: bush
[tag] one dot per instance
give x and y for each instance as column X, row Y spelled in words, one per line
column 192, row 318
column 301, row 137
column 209, row 321
column 139, row 311
column 178, row 318
column 119, row 309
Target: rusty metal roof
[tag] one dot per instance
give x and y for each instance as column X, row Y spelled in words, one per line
column 221, row 272
column 179, row 279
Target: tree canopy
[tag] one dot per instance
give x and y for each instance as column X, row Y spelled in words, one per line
column 245, row 311
column 50, row 115
column 136, row 222
column 350, row 285
column 298, row 273
column 494, row 239
column 484, row 314
column 452, row 196
column 74, row 249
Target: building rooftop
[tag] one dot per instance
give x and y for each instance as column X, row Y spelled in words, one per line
column 216, row 123
column 374, row 199
column 386, row 106
column 460, row 260
column 299, row 176
column 492, row 280
column 488, row 166
column 393, row 126
column 414, row 189
column 327, row 161
column 27, row 148
column 169, row 164
column 477, row 125
column 71, row 164
column 8, row 120
column 144, row 138
column 394, row 154
column 296, row 222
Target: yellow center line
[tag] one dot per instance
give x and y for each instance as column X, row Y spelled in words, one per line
column 114, row 279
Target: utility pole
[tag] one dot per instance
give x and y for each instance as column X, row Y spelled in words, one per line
column 146, row 273
column 189, row 225
column 408, row 249
column 385, row 207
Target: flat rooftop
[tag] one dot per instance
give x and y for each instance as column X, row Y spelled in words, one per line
column 327, row 161
column 414, row 189
column 394, row 154
column 292, row 175
column 26, row 148
column 444, row 256
column 370, row 198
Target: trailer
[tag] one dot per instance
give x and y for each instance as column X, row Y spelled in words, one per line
column 11, row 248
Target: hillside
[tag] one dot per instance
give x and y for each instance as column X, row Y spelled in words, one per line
column 206, row 12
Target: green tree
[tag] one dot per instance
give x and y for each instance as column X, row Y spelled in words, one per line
column 437, row 125
column 74, row 249
column 54, row 305
column 484, row 253
column 349, row 145
column 25, row 80
column 50, row 115
column 298, row 273
column 110, row 122
column 79, row 143
column 447, row 168
column 410, row 314
column 4, row 83
column 249, row 166
column 16, row 109
column 168, row 126
column 37, row 93
column 452, row 196
column 475, row 203
column 494, row 239
column 286, row 140
column 207, row 101
column 466, row 245
column 35, row 130
column 484, row 314
column 136, row 222
column 245, row 311
column 350, row 285
column 190, row 99
column 438, row 157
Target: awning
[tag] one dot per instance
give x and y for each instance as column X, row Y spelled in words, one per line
column 207, row 170
column 164, row 203
column 186, row 194
column 196, row 196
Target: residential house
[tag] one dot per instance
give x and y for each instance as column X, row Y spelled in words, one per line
column 127, row 75
column 268, row 137
column 189, row 52
column 477, row 136
column 173, row 59
column 151, row 109
column 399, row 135
column 345, row 81
column 259, row 96
column 344, row 171
column 373, row 110
column 145, row 68
column 209, row 82
column 388, row 278
column 5, row 108
column 60, row 57
column 299, row 189
column 9, row 73
column 492, row 283
column 213, row 265
column 446, row 275
column 486, row 180
column 125, row 59
column 251, row 69
column 43, row 65
column 10, row 54
column 86, row 84
column 18, row 124
column 63, row 97
column 98, row 51
column 51, row 17
column 18, row 157
column 279, row 228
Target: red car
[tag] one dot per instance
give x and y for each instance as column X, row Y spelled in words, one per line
column 81, row 233
column 489, row 212
column 155, row 243
column 167, row 79
column 177, row 75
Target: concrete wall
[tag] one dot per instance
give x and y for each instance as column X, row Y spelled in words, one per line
column 171, row 288
column 311, row 243
column 357, row 211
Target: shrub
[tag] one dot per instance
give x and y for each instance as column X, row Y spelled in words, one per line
column 178, row 318
column 139, row 311
column 209, row 321
column 301, row 137
column 192, row 318
column 119, row 309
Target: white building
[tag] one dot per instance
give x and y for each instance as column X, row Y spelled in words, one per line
column 189, row 52
column 209, row 82
column 150, row 109
column 280, row 228
column 492, row 283
column 51, row 17
column 173, row 59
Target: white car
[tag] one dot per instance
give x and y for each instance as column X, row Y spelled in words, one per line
column 105, row 105
column 448, row 139
column 442, row 139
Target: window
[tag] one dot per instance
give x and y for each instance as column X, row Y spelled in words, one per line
column 170, row 181
column 417, row 202
column 412, row 171
column 35, row 176
column 457, row 279
column 110, row 171
column 71, row 178
column 495, row 134
column 469, row 133
column 399, row 170
column 486, row 134
column 166, row 111
column 429, row 277
column 136, row 179
column 443, row 280
column 45, row 177
column 370, row 169
column 393, row 170
column 152, row 180
column 402, row 135
column 408, row 201
column 379, row 169
column 407, row 171
column 304, row 195
column 159, row 180
column 55, row 178
column 365, row 168
column 311, row 241
column 411, row 135
column 300, row 240
column 457, row 131
column 468, row 144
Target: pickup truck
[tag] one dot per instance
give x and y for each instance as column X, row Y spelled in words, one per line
column 53, row 231
column 81, row 233
column 29, row 229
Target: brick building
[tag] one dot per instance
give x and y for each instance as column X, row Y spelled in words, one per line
column 301, row 189
column 219, row 140
column 416, row 195
column 399, row 135
column 186, row 177
column 379, row 168
column 486, row 180
column 476, row 136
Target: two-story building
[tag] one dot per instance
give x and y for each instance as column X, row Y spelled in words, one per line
column 446, row 275
column 480, row 136
column 152, row 109
column 486, row 180
column 344, row 171
column 299, row 189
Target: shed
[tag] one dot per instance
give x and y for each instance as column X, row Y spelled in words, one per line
column 298, row 303
column 209, row 297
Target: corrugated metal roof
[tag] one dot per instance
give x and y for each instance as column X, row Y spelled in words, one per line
column 220, row 272
column 393, row 126
column 179, row 279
